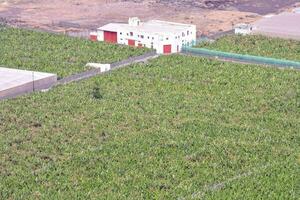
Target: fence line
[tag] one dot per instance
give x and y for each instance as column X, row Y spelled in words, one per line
column 241, row 58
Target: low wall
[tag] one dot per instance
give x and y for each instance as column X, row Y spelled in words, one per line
column 115, row 65
column 221, row 34
column 79, row 76
column 132, row 60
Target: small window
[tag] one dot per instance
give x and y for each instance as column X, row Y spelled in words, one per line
column 188, row 32
column 131, row 33
column 148, row 37
column 167, row 38
column 142, row 36
column 183, row 34
column 127, row 34
column 120, row 33
column 152, row 38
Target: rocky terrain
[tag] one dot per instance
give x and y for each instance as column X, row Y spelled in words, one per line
column 256, row 6
column 184, row 4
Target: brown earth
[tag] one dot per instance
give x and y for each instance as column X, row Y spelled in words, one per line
column 57, row 15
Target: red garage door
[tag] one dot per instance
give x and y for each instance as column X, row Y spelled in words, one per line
column 167, row 48
column 111, row 37
column 131, row 42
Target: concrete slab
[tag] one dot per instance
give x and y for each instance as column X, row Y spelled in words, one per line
column 15, row 82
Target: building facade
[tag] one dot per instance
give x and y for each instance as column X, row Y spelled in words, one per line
column 164, row 37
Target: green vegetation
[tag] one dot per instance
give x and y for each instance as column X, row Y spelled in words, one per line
column 58, row 54
column 257, row 45
column 172, row 129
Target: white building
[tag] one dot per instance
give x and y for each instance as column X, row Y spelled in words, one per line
column 243, row 29
column 164, row 37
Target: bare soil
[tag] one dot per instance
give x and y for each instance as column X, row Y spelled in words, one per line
column 209, row 15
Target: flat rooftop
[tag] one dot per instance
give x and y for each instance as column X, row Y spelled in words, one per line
column 285, row 24
column 152, row 26
column 14, row 82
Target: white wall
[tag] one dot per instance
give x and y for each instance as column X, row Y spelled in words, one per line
column 100, row 35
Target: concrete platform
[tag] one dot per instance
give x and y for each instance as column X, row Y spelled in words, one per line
column 14, row 82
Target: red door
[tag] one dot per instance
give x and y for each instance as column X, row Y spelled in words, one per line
column 110, row 37
column 93, row 38
column 167, row 48
column 131, row 43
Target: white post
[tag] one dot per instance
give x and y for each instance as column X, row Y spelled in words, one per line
column 33, row 81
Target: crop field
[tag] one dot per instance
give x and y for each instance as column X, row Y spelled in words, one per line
column 45, row 52
column 257, row 45
column 177, row 127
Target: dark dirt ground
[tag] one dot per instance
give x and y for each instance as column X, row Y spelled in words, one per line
column 210, row 16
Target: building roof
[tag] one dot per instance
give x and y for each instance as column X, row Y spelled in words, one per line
column 150, row 27
column 14, row 77
column 287, row 23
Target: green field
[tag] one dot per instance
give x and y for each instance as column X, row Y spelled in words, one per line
column 177, row 128
column 258, row 46
column 45, row 52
